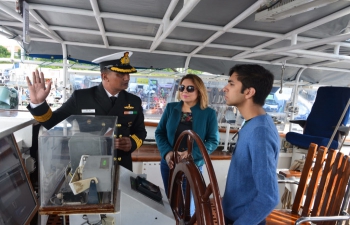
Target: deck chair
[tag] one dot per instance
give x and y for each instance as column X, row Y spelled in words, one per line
column 321, row 190
column 325, row 113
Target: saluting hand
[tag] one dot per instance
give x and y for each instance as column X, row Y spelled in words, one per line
column 123, row 143
column 37, row 90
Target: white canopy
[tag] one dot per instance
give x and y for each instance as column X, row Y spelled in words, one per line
column 206, row 35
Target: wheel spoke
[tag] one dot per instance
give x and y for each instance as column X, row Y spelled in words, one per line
column 208, row 192
column 193, row 219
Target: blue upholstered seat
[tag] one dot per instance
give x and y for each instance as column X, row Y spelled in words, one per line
column 328, row 107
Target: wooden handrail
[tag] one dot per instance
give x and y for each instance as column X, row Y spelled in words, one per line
column 221, row 130
column 151, row 124
column 155, row 124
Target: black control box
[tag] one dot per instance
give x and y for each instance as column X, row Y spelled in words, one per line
column 147, row 188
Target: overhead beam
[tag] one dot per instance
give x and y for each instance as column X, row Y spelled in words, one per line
column 323, row 63
column 200, row 56
column 60, row 9
column 320, row 48
column 166, row 19
column 16, row 16
column 188, row 6
column 174, row 41
column 203, row 56
column 323, row 41
column 299, row 30
column 231, row 24
column 143, row 19
column 184, row 42
column 83, row 12
column 43, row 23
column 10, row 34
column 97, row 14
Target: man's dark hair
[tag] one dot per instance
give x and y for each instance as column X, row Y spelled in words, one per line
column 104, row 70
column 257, row 77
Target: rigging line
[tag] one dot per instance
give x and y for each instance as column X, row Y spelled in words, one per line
column 71, row 65
column 42, row 64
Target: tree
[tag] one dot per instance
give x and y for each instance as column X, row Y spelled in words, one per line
column 4, row 53
column 18, row 54
column 197, row 72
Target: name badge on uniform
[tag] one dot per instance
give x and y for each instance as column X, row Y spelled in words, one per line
column 88, row 111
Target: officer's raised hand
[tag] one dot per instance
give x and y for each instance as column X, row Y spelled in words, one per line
column 37, row 90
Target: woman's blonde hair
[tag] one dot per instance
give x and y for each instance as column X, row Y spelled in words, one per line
column 198, row 85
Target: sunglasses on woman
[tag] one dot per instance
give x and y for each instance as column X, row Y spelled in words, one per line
column 189, row 88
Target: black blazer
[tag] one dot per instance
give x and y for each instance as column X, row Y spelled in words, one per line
column 127, row 107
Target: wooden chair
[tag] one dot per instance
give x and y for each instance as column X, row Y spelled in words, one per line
column 322, row 188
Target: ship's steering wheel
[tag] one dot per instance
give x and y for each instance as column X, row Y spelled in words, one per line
column 186, row 168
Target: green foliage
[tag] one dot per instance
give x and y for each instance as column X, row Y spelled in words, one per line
column 197, row 72
column 46, row 62
column 18, row 54
column 4, row 53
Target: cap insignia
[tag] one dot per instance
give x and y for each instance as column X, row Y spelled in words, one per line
column 125, row 59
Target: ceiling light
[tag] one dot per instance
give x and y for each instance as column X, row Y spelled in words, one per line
column 288, row 8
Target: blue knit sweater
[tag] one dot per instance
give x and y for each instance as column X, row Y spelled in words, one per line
column 204, row 124
column 251, row 188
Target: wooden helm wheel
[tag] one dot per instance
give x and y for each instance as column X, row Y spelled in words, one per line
column 186, row 168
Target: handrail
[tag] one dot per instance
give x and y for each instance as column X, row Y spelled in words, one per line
column 221, row 130
column 321, row 218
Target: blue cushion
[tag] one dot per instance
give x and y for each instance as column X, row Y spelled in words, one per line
column 325, row 113
column 303, row 140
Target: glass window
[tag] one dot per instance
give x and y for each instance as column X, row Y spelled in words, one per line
column 156, row 92
column 276, row 106
column 306, row 98
column 17, row 201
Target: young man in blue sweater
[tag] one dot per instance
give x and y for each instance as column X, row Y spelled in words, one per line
column 251, row 188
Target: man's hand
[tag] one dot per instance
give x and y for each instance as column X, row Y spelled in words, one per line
column 169, row 158
column 37, row 90
column 123, row 143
